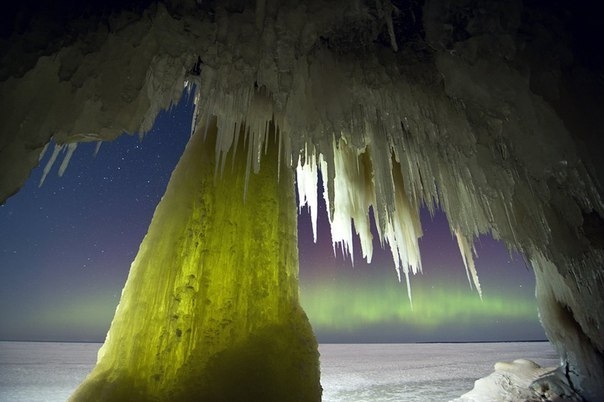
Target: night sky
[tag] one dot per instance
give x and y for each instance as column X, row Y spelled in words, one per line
column 66, row 248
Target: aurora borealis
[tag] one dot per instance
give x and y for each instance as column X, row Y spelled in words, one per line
column 338, row 310
column 65, row 251
column 366, row 303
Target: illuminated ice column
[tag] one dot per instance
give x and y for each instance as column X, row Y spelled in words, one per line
column 210, row 309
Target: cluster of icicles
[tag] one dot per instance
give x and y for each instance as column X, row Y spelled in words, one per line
column 356, row 181
column 355, row 193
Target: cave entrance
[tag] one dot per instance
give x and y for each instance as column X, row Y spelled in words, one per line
column 81, row 232
column 364, row 278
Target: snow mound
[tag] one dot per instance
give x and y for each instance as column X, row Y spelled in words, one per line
column 521, row 380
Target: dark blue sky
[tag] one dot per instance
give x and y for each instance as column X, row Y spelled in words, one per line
column 66, row 247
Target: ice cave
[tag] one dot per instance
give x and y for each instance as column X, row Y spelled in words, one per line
column 487, row 109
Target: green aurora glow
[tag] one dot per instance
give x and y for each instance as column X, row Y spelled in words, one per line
column 346, row 305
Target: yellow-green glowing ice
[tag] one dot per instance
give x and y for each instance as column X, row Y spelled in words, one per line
column 210, row 309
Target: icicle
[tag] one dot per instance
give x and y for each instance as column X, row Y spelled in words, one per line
column 324, row 171
column 196, row 111
column 51, row 161
column 346, row 203
column 467, row 254
column 97, row 148
column 408, row 282
column 402, row 233
column 307, row 180
column 43, row 152
column 70, row 150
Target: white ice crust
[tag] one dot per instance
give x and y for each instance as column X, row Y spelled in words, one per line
column 521, row 380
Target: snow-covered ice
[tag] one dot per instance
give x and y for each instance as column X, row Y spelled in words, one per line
column 36, row 371
column 43, row 371
column 416, row 372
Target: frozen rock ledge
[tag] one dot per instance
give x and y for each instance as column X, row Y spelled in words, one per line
column 522, row 380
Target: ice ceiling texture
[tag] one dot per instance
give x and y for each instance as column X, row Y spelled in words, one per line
column 486, row 109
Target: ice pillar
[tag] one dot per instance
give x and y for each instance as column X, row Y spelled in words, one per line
column 210, row 310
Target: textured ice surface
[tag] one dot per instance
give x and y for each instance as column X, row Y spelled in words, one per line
column 49, row 372
column 213, row 291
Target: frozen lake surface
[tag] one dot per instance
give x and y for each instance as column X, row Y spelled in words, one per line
column 39, row 371
column 417, row 372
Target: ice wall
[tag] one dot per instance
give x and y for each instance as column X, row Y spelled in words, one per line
column 485, row 109
column 210, row 309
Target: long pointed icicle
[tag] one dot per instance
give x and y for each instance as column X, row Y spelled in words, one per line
column 468, row 259
column 70, row 150
column 307, row 181
column 53, row 157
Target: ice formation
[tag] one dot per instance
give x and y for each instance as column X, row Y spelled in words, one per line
column 53, row 157
column 488, row 111
column 69, row 149
column 210, row 309
column 521, row 380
